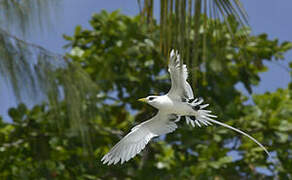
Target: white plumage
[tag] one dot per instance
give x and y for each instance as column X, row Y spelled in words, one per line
column 137, row 139
column 179, row 101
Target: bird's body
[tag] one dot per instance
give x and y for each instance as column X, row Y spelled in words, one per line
column 174, row 106
column 179, row 101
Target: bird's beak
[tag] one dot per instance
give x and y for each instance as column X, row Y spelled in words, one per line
column 142, row 99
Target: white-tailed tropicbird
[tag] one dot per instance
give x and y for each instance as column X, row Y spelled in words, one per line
column 179, row 101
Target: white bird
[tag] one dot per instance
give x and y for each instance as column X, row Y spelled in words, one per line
column 179, row 101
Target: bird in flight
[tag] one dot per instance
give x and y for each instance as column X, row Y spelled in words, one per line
column 178, row 102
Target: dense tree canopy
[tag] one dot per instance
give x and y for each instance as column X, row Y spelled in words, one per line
column 122, row 57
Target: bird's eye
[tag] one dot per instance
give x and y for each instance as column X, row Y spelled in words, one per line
column 151, row 98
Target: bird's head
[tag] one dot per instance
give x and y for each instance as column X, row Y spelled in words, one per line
column 152, row 100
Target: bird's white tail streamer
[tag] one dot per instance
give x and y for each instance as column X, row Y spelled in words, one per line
column 239, row 131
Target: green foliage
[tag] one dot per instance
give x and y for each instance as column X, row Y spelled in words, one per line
column 273, row 112
column 35, row 148
column 121, row 56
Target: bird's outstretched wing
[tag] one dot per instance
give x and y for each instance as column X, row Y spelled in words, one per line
column 138, row 138
column 180, row 88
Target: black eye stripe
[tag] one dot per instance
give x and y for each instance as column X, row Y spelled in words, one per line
column 151, row 98
column 183, row 99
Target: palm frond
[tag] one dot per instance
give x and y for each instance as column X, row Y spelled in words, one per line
column 27, row 16
column 39, row 75
column 181, row 19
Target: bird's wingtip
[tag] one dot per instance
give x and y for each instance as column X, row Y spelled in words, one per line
column 103, row 158
column 172, row 53
column 106, row 160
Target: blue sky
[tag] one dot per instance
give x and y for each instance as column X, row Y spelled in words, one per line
column 265, row 16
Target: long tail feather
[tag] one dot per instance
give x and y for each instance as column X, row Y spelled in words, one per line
column 239, row 131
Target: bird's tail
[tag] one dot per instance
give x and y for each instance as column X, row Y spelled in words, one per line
column 239, row 131
column 205, row 117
